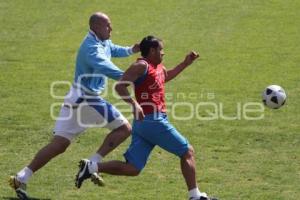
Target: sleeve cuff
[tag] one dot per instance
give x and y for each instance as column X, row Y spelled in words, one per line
column 130, row 50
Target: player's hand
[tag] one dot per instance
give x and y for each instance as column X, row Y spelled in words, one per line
column 190, row 57
column 136, row 48
column 138, row 112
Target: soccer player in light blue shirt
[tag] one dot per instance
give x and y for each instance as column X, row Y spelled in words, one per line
column 83, row 106
column 93, row 62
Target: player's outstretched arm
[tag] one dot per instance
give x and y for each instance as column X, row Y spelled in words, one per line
column 130, row 76
column 189, row 59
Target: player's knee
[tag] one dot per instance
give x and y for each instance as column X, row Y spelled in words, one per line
column 132, row 170
column 189, row 154
column 59, row 145
column 126, row 128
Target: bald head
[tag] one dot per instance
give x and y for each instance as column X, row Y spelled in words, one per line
column 101, row 25
column 97, row 18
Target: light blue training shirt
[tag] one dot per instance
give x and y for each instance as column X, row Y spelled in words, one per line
column 93, row 63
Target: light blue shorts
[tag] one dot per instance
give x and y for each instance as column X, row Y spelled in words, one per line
column 155, row 129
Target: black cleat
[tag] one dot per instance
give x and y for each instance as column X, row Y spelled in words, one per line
column 203, row 198
column 83, row 172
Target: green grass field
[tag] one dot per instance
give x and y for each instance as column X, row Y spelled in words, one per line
column 245, row 45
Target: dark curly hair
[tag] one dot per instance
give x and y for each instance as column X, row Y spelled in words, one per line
column 147, row 43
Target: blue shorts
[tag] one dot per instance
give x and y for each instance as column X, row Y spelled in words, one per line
column 154, row 130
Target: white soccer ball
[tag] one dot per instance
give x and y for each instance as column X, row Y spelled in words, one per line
column 274, row 96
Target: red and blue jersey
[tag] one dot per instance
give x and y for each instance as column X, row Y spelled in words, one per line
column 150, row 88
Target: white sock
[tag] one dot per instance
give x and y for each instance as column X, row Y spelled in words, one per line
column 195, row 193
column 24, row 175
column 96, row 158
column 93, row 167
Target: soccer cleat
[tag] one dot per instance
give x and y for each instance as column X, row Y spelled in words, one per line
column 97, row 179
column 19, row 187
column 83, row 172
column 203, row 198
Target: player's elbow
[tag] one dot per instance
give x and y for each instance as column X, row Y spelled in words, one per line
column 120, row 87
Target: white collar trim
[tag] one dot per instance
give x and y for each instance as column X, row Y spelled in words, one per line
column 93, row 34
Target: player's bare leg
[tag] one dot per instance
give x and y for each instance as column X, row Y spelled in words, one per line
column 188, row 168
column 116, row 167
column 112, row 140
column 57, row 146
column 87, row 168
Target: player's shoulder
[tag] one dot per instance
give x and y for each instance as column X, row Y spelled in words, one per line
column 139, row 66
column 92, row 47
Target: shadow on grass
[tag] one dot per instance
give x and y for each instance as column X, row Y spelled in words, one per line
column 14, row 198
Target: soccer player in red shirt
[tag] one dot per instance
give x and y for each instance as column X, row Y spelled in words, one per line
column 151, row 126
